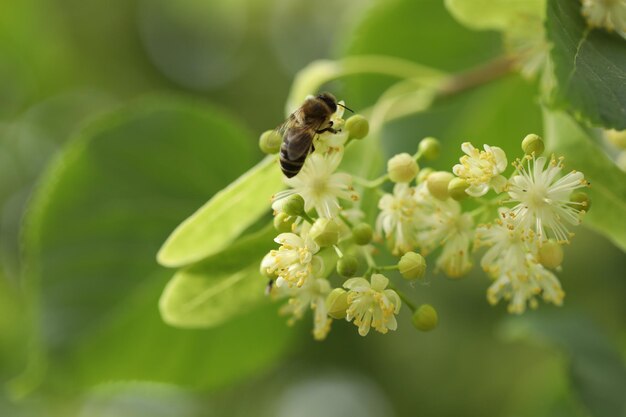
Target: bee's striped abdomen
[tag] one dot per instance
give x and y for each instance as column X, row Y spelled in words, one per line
column 290, row 167
column 298, row 144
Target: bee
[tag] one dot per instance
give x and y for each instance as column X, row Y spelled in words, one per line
column 300, row 128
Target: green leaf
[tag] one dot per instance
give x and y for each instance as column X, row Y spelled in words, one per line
column 596, row 370
column 224, row 217
column 494, row 14
column 608, row 184
column 26, row 146
column 93, row 228
column 225, row 285
column 589, row 67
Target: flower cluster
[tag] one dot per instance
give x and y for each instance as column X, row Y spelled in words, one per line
column 323, row 241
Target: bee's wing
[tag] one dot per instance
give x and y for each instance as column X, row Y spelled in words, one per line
column 299, row 140
column 298, row 137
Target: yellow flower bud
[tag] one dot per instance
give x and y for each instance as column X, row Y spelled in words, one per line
column 362, row 234
column 424, row 173
column 402, row 168
column 294, row 206
column 412, row 266
column 437, row 184
column 325, row 232
column 357, row 126
column 425, row 318
column 270, row 142
column 457, row 187
column 337, row 303
column 283, row 222
column 533, row 144
column 347, row 266
column 430, row 148
column 551, row 254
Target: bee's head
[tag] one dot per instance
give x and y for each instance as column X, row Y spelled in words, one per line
column 329, row 99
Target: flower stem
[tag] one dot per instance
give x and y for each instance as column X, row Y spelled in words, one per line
column 375, row 183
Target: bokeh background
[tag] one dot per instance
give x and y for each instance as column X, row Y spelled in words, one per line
column 118, row 119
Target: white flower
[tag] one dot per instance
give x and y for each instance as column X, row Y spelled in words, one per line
column 543, row 198
column 509, row 246
column 312, row 294
column 442, row 223
column 398, row 218
column 320, row 186
column 294, row 262
column 481, row 169
column 371, row 305
column 609, row 14
column 522, row 289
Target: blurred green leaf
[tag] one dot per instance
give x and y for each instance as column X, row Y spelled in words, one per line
column 589, row 67
column 597, row 371
column 224, row 217
column 608, row 183
column 26, row 146
column 494, row 14
column 225, row 285
column 93, row 229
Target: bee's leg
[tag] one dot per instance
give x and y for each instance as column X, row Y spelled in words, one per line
column 328, row 129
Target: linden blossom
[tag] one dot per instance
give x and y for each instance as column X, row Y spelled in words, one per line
column 320, row 186
column 481, row 169
column 371, row 304
column 544, row 198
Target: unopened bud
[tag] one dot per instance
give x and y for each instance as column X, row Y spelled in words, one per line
column 617, row 138
column 412, row 266
column 283, row 222
column 337, row 303
column 402, row 168
column 264, row 268
column 430, row 148
column 294, row 206
column 357, row 126
column 425, row 318
column 437, row 184
column 347, row 266
column 362, row 234
column 533, row 144
column 457, row 187
column 270, row 142
column 424, row 173
column 551, row 254
column 582, row 200
column 325, row 232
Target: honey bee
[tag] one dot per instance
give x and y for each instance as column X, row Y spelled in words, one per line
column 300, row 128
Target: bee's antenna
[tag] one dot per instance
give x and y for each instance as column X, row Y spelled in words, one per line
column 347, row 108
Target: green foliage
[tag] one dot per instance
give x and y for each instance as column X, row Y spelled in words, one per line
column 494, row 14
column 596, row 369
column 224, row 217
column 589, row 67
column 608, row 183
column 216, row 289
column 92, row 232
